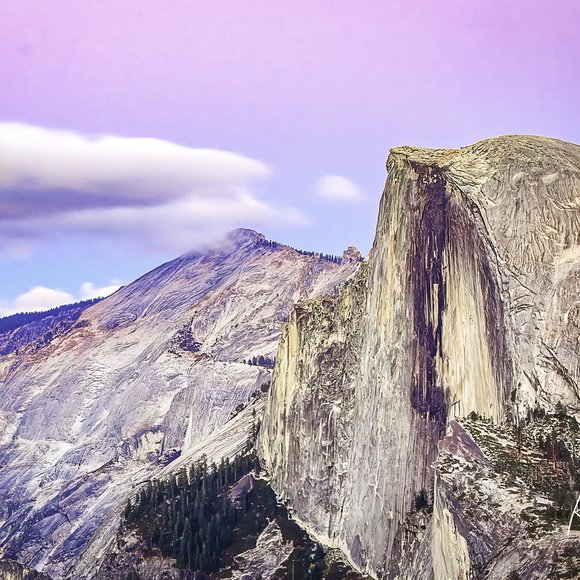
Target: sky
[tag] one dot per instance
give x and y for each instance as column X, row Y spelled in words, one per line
column 131, row 132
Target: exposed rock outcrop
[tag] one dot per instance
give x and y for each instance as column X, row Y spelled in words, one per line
column 11, row 570
column 262, row 561
column 25, row 336
column 492, row 513
column 142, row 376
column 468, row 302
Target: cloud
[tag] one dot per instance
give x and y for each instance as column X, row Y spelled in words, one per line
column 89, row 290
column 38, row 298
column 338, row 188
column 42, row 298
column 148, row 192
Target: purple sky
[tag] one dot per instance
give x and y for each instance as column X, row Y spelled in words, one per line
column 308, row 89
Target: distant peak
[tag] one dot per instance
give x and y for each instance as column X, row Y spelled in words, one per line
column 241, row 236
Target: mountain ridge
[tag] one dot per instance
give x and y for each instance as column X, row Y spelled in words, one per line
column 410, row 391
column 147, row 372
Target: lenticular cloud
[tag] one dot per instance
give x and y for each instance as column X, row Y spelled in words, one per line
column 148, row 191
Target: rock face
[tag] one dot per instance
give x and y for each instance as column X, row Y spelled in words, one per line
column 11, row 570
column 34, row 335
column 468, row 302
column 263, row 560
column 141, row 377
column 103, row 558
column 490, row 522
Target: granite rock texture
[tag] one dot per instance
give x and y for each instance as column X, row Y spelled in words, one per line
column 141, row 377
column 468, row 301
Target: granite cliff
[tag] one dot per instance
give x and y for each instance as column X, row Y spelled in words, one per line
column 467, row 304
column 422, row 417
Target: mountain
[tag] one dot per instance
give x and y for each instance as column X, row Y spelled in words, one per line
column 421, row 420
column 467, row 306
column 112, row 395
column 36, row 329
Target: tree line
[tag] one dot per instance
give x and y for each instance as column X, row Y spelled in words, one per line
column 261, row 361
column 14, row 321
column 191, row 515
column 326, row 257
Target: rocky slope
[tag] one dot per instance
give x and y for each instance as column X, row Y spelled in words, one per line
column 493, row 506
column 265, row 543
column 139, row 378
column 468, row 302
column 11, row 570
column 32, row 331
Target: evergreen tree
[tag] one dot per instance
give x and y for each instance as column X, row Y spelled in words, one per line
column 190, row 516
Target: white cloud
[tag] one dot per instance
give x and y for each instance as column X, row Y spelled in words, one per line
column 147, row 192
column 41, row 298
column 89, row 290
column 338, row 188
column 38, row 298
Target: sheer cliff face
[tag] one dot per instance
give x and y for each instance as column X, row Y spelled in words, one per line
column 142, row 375
column 467, row 302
